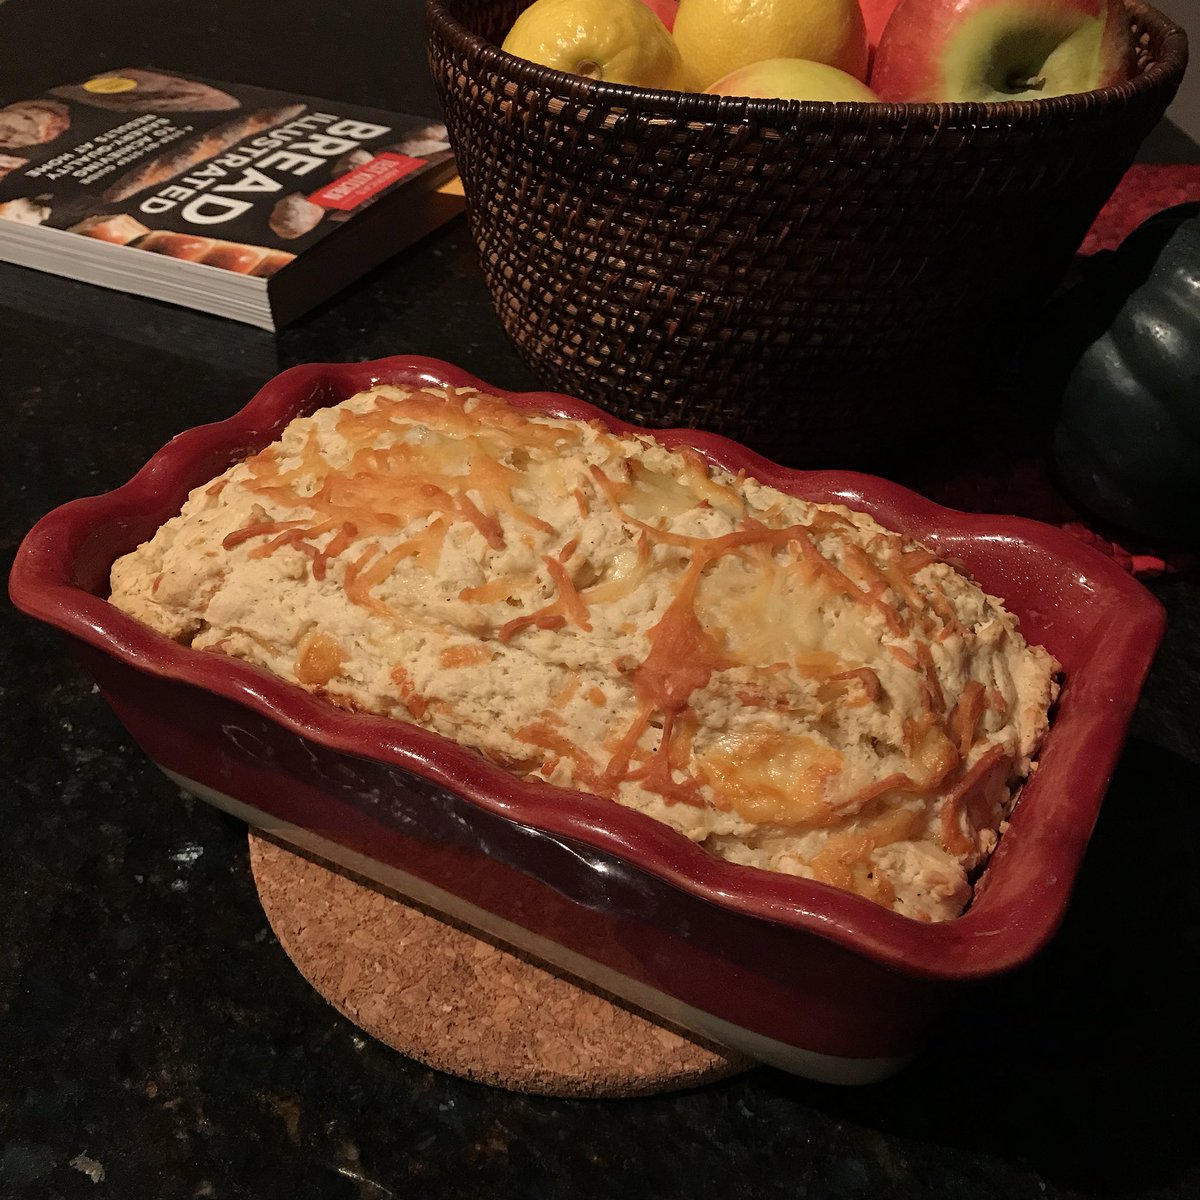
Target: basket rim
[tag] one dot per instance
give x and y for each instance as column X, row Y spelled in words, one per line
column 1165, row 72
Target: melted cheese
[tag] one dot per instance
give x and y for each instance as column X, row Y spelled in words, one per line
column 789, row 684
column 774, row 779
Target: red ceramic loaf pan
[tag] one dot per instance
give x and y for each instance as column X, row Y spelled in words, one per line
column 791, row 972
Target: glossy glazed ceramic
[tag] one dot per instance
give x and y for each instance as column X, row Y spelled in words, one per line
column 816, row 980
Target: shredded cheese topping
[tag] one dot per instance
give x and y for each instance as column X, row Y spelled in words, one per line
column 791, row 685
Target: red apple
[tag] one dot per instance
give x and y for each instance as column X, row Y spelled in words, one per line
column 664, row 10
column 875, row 15
column 951, row 50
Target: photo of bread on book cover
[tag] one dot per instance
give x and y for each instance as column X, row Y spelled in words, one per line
column 218, row 174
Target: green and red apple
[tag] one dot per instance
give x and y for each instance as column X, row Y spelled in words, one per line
column 664, row 10
column 996, row 50
column 875, row 17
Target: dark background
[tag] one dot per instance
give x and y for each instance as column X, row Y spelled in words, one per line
column 148, row 1017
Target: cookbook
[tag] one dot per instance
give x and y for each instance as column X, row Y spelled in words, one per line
column 236, row 200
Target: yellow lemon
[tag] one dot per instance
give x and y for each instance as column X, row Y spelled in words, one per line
column 717, row 37
column 618, row 41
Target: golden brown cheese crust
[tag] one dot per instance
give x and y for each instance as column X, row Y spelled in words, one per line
column 788, row 684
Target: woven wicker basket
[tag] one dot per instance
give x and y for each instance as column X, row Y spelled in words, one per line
column 805, row 277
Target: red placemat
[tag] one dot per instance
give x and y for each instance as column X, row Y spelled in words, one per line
column 1146, row 188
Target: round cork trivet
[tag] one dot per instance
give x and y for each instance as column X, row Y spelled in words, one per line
column 454, row 1000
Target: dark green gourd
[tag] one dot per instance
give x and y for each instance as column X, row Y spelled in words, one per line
column 1128, row 438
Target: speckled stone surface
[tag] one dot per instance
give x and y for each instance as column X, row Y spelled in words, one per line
column 155, row 1042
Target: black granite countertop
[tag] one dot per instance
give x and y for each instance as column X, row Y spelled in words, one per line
column 150, row 1025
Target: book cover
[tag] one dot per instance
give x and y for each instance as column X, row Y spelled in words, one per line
column 231, row 177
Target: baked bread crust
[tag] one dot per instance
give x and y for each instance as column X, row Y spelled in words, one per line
column 788, row 684
column 32, row 123
column 11, row 162
column 118, row 228
column 191, row 152
column 294, row 216
column 155, row 92
column 239, row 257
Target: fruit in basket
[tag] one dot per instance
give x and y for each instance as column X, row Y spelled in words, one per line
column 717, row 37
column 994, row 50
column 617, row 41
column 793, row 79
column 875, row 16
column 664, row 10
